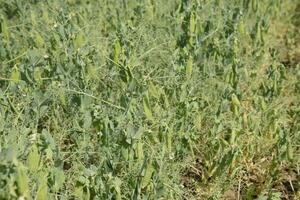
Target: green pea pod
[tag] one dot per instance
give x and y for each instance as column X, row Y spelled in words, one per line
column 147, row 174
column 147, row 109
column 22, row 181
column 289, row 151
column 15, row 74
column 33, row 159
column 192, row 24
column 234, row 100
column 189, row 68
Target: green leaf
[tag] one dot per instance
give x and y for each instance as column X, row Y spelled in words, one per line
column 9, row 154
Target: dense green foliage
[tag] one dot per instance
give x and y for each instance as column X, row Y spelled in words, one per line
column 149, row 99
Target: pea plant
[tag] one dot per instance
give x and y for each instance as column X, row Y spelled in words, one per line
column 145, row 99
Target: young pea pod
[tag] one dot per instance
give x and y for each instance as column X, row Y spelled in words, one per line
column 189, row 68
column 147, row 110
column 4, row 28
column 33, row 159
column 22, row 181
column 150, row 9
column 139, row 150
column 192, row 24
column 117, row 50
column 148, row 171
column 15, row 74
column 289, row 151
column 234, row 100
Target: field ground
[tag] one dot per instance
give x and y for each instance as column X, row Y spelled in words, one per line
column 145, row 99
